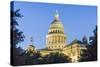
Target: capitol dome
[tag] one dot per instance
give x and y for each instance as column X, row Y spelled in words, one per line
column 56, row 38
column 56, row 26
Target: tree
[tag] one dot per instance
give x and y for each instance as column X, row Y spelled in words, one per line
column 84, row 56
column 93, row 44
column 57, row 58
column 91, row 53
column 16, row 36
column 34, row 58
column 84, row 40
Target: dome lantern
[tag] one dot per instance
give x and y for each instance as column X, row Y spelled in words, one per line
column 56, row 15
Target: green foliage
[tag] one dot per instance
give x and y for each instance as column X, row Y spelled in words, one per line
column 36, row 58
column 16, row 35
column 84, row 40
column 84, row 56
column 91, row 53
column 57, row 58
column 93, row 44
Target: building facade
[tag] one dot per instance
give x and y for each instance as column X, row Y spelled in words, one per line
column 56, row 41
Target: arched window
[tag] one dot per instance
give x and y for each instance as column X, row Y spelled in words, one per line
column 59, row 46
column 59, row 31
column 49, row 47
column 56, row 31
column 55, row 46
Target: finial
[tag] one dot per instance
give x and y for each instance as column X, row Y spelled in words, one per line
column 56, row 11
column 31, row 40
column 57, row 15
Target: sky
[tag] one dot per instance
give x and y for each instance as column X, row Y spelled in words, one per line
column 78, row 21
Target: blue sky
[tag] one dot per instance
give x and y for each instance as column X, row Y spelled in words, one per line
column 78, row 20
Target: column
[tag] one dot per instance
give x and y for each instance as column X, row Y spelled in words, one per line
column 61, row 39
column 57, row 39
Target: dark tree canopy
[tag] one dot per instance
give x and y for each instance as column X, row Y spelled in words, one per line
column 93, row 39
column 93, row 43
column 91, row 53
column 16, row 35
column 84, row 40
column 57, row 58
